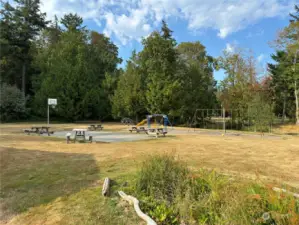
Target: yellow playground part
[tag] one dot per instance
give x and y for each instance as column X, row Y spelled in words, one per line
column 142, row 122
column 153, row 125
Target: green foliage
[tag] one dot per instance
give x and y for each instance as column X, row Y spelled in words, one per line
column 72, row 21
column 20, row 25
column 159, row 62
column 160, row 211
column 165, row 78
column 12, row 103
column 161, row 177
column 129, row 96
column 286, row 70
column 199, row 84
column 260, row 113
column 78, row 82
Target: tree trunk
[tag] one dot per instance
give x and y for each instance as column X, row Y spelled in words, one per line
column 297, row 103
column 284, row 108
column 24, row 79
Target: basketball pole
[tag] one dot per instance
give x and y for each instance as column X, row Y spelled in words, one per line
column 48, row 115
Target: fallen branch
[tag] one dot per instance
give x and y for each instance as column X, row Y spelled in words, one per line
column 106, row 185
column 135, row 202
column 285, row 191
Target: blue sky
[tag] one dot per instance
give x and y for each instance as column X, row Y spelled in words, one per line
column 217, row 24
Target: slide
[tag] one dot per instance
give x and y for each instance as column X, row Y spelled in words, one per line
column 142, row 122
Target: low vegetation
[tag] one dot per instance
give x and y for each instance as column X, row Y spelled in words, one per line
column 171, row 194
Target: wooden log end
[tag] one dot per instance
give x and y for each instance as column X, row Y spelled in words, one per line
column 106, row 187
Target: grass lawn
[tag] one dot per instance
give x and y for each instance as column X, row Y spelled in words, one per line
column 46, row 181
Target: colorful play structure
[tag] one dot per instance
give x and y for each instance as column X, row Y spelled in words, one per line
column 163, row 121
column 156, row 125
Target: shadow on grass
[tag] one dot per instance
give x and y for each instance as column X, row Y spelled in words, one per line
column 30, row 177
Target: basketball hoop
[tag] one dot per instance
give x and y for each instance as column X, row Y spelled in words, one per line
column 51, row 102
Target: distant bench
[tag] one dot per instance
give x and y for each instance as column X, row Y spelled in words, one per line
column 156, row 132
column 95, row 127
column 38, row 130
column 137, row 129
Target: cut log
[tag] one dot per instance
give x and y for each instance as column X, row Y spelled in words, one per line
column 285, row 191
column 106, row 186
column 135, row 202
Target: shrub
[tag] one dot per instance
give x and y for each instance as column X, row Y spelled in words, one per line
column 12, row 103
column 161, row 177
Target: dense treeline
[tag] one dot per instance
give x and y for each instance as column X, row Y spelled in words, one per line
column 62, row 59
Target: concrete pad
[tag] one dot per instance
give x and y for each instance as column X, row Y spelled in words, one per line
column 108, row 136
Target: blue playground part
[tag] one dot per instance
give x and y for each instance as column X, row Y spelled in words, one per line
column 165, row 120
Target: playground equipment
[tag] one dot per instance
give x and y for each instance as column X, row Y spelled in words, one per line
column 160, row 121
column 164, row 121
column 142, row 122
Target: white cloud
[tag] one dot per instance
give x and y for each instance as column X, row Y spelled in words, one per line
column 230, row 48
column 260, row 58
column 131, row 19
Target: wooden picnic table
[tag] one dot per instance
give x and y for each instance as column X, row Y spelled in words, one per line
column 157, row 131
column 137, row 129
column 79, row 135
column 39, row 130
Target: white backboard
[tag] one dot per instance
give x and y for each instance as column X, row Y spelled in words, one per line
column 52, row 101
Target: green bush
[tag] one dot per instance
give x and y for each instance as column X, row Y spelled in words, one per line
column 161, row 177
column 12, row 103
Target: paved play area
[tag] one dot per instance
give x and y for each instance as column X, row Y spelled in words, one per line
column 125, row 136
column 108, row 136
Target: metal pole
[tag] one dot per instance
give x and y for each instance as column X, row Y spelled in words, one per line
column 48, row 116
column 224, row 131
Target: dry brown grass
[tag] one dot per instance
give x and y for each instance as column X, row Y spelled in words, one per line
column 277, row 158
column 247, row 156
column 287, row 129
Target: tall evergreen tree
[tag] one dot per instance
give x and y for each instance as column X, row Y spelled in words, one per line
column 284, row 99
column 25, row 22
column 74, row 71
column 72, row 22
column 159, row 62
column 129, row 97
column 288, row 41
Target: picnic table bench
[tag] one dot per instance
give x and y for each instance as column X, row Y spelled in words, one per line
column 95, row 127
column 156, row 132
column 39, row 130
column 78, row 135
column 138, row 129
